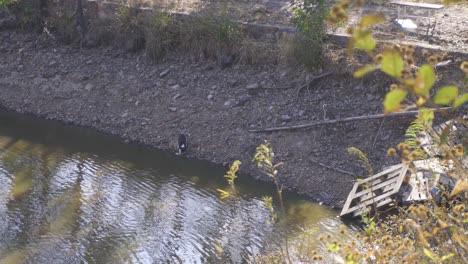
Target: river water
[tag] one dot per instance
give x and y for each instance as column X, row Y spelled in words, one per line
column 72, row 195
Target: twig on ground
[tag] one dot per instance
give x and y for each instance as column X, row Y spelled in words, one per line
column 378, row 131
column 331, row 168
column 342, row 120
column 314, row 78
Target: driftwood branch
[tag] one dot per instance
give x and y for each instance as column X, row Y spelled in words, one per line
column 342, row 120
column 331, row 168
column 314, row 78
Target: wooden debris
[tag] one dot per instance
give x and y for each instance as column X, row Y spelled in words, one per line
column 375, row 191
column 416, row 189
column 393, row 184
column 430, row 138
column 342, row 120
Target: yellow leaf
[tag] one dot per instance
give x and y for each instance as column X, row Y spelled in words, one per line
column 369, row 20
column 446, row 95
column 364, row 70
column 459, row 239
column 429, row 254
column 392, row 64
column 393, row 100
column 462, row 186
column 410, row 82
column 223, row 194
column 425, row 80
column 363, row 40
column 448, row 256
column 460, row 100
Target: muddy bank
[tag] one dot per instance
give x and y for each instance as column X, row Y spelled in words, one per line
column 127, row 95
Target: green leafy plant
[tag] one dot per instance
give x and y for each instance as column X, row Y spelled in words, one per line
column 363, row 159
column 309, row 18
column 231, row 178
column 6, row 2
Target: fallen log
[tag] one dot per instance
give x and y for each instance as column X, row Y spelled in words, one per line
column 342, row 120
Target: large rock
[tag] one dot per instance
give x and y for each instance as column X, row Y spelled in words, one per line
column 7, row 20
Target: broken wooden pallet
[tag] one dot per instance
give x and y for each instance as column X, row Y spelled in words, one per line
column 436, row 173
column 375, row 191
column 416, row 189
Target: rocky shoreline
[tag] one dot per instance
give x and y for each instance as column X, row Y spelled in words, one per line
column 125, row 94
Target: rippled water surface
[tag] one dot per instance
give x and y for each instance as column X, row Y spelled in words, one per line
column 71, row 195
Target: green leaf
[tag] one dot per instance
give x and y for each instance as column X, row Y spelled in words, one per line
column 393, row 100
column 429, row 254
column 426, row 117
column 369, row 20
column 460, row 100
column 392, row 64
column 446, row 95
column 363, row 40
column 425, row 80
column 365, row 70
column 333, row 247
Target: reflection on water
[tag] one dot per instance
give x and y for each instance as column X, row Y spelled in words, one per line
column 70, row 195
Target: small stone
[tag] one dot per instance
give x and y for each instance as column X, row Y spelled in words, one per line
column 227, row 103
column 52, row 63
column 214, row 87
column 124, row 115
column 175, row 86
column 233, row 82
column 243, row 100
column 108, row 104
column 164, row 73
column 210, row 96
column 285, row 118
column 172, row 109
column 137, row 103
column 301, row 113
column 370, row 97
column 252, row 86
column 176, row 96
column 89, row 87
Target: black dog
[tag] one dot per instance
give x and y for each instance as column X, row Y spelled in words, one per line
column 182, row 144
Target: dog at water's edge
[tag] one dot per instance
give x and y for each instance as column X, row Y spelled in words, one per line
column 182, row 144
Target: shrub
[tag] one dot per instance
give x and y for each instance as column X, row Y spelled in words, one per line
column 309, row 20
column 210, row 36
column 161, row 32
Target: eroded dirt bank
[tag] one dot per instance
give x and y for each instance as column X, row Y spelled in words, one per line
column 126, row 95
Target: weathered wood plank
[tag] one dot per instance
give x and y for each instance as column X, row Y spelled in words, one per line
column 420, row 5
column 388, row 183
